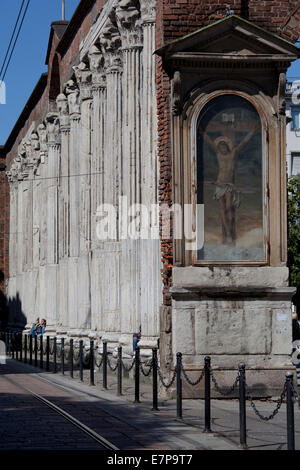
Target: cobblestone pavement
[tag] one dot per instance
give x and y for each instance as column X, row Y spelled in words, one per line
column 127, row 425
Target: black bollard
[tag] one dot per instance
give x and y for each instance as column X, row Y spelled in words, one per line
column 30, row 350
column 242, row 398
column 81, row 360
column 137, row 376
column 119, row 393
column 179, row 385
column 207, row 418
column 290, row 412
column 63, row 356
column 54, row 355
column 48, row 353
column 25, row 348
column 154, row 380
column 92, row 381
column 16, row 346
column 104, row 371
column 71, row 357
column 35, row 352
column 41, row 352
column 21, row 346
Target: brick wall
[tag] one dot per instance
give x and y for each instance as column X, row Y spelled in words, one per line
column 175, row 18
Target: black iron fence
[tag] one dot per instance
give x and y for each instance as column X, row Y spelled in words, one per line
column 27, row 349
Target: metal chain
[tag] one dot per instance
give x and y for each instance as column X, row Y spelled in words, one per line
column 274, row 413
column 190, row 381
column 146, row 374
column 229, row 390
column 98, row 364
column 76, row 357
column 59, row 352
column 85, row 360
column 162, row 379
column 67, row 356
column 110, row 366
column 128, row 369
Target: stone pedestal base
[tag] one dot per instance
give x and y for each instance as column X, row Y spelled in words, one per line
column 234, row 315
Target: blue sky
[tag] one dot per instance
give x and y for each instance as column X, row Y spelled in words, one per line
column 28, row 60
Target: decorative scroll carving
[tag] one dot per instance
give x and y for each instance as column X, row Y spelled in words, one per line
column 281, row 94
column 84, row 79
column 129, row 23
column 63, row 109
column 176, row 95
column 148, row 12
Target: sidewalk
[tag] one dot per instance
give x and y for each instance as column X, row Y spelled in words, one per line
column 185, row 434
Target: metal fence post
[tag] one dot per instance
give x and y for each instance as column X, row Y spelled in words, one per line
column 63, row 356
column 154, row 380
column 207, row 394
column 242, row 398
column 54, row 355
column 48, row 353
column 104, row 378
column 21, row 346
column 119, row 371
column 92, row 381
column 179, row 384
column 16, row 346
column 81, row 360
column 290, row 412
column 25, row 348
column 71, row 357
column 35, row 351
column 30, row 350
column 137, row 376
column 41, row 352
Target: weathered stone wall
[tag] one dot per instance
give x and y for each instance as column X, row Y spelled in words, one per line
column 96, row 142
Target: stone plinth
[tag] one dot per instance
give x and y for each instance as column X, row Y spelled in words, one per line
column 233, row 315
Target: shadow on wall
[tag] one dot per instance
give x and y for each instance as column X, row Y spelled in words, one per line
column 11, row 314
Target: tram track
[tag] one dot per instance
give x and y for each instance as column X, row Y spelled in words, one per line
column 107, row 445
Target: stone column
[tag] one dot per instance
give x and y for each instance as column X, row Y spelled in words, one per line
column 151, row 297
column 110, row 285
column 64, row 213
column 98, row 125
column 72, row 93
column 51, row 272
column 128, row 20
column 84, row 80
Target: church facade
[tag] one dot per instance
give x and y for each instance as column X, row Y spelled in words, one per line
column 166, row 118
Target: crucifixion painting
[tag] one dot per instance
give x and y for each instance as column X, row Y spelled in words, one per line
column 229, row 180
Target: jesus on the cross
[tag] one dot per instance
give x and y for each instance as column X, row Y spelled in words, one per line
column 226, row 193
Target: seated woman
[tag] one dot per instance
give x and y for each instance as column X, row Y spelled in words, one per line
column 41, row 328
column 33, row 332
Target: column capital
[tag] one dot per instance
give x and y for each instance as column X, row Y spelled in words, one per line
column 73, row 96
column 53, row 129
column 110, row 43
column 129, row 23
column 97, row 62
column 84, row 79
column 148, row 11
column 63, row 110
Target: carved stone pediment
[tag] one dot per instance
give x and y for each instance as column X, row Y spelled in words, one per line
column 233, row 41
